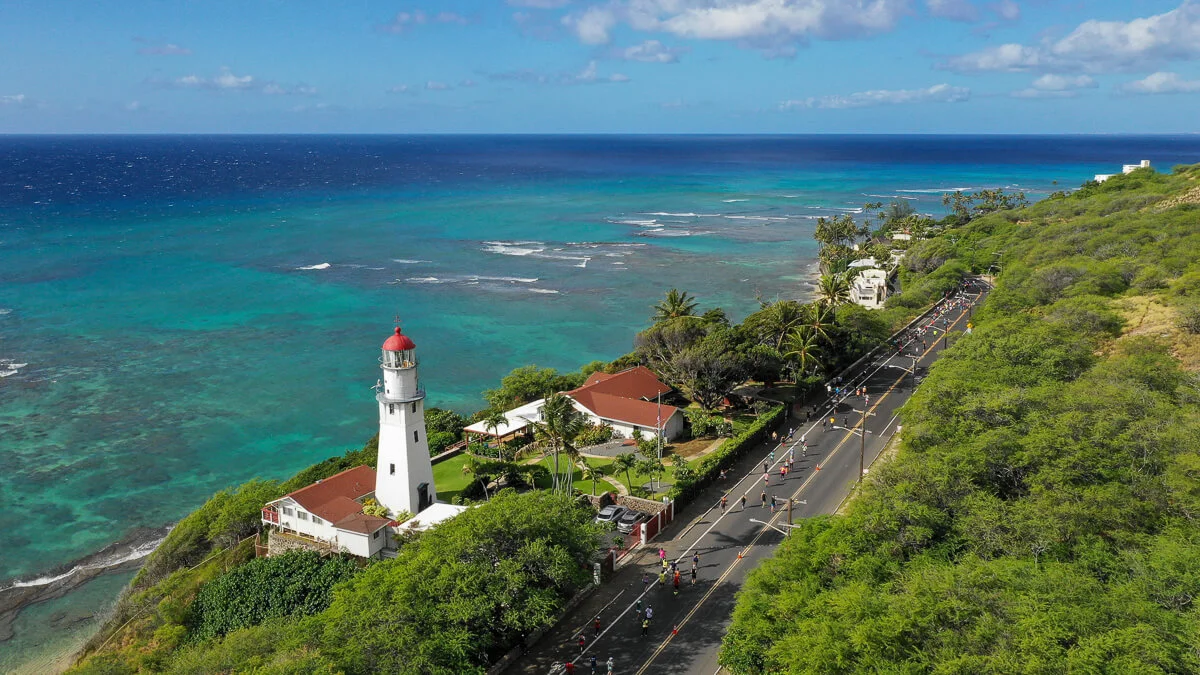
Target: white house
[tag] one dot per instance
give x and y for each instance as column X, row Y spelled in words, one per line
column 628, row 401
column 869, row 288
column 329, row 513
column 1125, row 168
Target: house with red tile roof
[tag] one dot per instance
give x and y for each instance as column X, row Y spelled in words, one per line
column 330, row 511
column 629, row 401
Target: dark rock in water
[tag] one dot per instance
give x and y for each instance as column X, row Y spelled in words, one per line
column 124, row 555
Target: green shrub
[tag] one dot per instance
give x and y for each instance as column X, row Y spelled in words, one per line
column 689, row 483
column 594, row 434
column 297, row 583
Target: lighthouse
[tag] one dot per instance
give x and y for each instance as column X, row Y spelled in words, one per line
column 404, row 474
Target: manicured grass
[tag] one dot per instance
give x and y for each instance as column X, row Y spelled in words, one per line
column 449, row 478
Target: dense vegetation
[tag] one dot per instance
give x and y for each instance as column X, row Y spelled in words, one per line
column 454, row 601
column 1040, row 516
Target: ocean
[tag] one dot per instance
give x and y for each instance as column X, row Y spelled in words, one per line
column 179, row 314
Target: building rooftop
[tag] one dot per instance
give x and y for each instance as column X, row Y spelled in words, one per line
column 335, row 498
column 436, row 513
column 399, row 342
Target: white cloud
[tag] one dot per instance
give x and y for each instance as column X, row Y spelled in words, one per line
column 955, row 10
column 403, row 21
column 1051, row 82
column 1056, row 86
column 400, row 89
column 539, row 4
column 938, row 93
column 13, row 99
column 226, row 80
column 1006, row 10
column 437, row 86
column 165, row 50
column 751, row 23
column 593, row 25
column 650, row 51
column 1162, row 83
column 1098, row 46
column 589, row 75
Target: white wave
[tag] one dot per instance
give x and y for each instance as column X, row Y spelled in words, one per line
column 517, row 248
column 4, row 311
column 730, row 201
column 9, row 367
column 670, row 233
column 514, row 280
column 618, row 262
column 937, row 191
column 425, row 280
column 639, row 223
column 135, row 553
column 759, row 218
column 547, row 291
column 683, row 215
column 406, row 261
column 318, row 266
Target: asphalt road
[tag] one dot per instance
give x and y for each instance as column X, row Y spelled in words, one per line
column 685, row 633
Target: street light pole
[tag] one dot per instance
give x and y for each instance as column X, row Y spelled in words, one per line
column 790, row 501
column 862, row 449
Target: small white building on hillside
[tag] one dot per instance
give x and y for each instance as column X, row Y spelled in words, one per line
column 1125, row 168
column 328, row 515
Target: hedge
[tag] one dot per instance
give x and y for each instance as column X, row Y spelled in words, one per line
column 710, row 467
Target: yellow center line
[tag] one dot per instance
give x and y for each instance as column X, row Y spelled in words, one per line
column 770, row 523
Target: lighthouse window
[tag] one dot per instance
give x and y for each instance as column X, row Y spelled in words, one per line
column 392, row 469
column 415, row 439
column 391, row 409
column 414, row 406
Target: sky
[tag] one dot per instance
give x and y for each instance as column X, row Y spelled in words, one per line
column 600, row 66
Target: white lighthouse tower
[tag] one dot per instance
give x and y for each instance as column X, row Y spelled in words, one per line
column 404, row 474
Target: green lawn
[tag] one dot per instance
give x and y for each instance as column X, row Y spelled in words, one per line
column 449, row 478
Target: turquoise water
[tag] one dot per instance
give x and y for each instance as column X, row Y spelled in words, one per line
column 177, row 343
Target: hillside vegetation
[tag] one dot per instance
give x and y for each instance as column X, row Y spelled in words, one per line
column 1041, row 514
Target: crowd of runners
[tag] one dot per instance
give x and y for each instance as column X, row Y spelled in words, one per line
column 776, row 473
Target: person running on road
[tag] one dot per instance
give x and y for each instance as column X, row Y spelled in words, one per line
column 676, row 582
column 772, row 456
column 743, row 501
column 582, row 641
column 772, row 503
column 695, row 559
column 596, row 625
column 693, row 576
column 610, row 666
column 645, row 581
column 782, row 472
column 662, row 578
column 649, row 612
column 645, row 627
column 762, row 499
column 570, row 668
column 724, row 502
column 595, row 665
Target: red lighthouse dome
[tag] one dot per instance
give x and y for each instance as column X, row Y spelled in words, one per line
column 399, row 342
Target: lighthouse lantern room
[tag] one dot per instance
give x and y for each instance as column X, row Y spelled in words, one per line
column 404, row 474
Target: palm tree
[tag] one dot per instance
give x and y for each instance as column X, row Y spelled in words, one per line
column 817, row 319
column 677, row 304
column 802, row 348
column 782, row 317
column 492, row 421
column 561, row 423
column 626, row 462
column 652, row 467
column 474, row 467
column 833, row 290
column 593, row 474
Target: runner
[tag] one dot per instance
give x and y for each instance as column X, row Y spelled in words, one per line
column 724, row 501
column 610, row 666
column 645, row 582
column 743, row 501
column 570, row 667
column 582, row 641
column 662, row 580
column 594, row 664
column 645, row 626
column 693, row 576
column 763, row 499
column 596, row 625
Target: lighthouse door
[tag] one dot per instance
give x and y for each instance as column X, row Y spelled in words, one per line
column 422, row 497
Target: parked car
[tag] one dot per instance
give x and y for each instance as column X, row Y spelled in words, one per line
column 629, row 519
column 610, row 514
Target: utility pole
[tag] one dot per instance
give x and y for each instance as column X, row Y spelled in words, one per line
column 862, row 449
column 790, row 501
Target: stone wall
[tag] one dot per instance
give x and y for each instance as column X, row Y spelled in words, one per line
column 279, row 543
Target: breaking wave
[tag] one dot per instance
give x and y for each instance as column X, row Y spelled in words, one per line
column 318, row 266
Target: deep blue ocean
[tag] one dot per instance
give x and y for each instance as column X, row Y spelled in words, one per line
column 180, row 314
